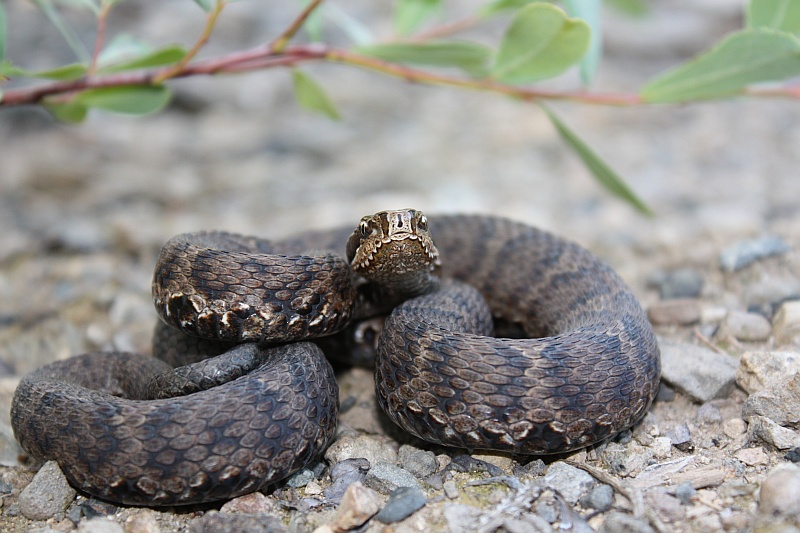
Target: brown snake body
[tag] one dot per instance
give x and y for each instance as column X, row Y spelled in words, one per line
column 252, row 416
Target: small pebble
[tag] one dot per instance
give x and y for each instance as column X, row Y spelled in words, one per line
column 699, row 372
column 681, row 437
column 793, row 455
column 359, row 504
column 709, row 414
column 745, row 253
column 752, row 456
column 786, row 323
column 765, row 430
column 144, row 521
column 217, row 522
column 746, row 327
column 343, row 475
column 681, row 312
column 534, row 468
column 661, row 447
column 419, row 462
column 300, row 478
column 617, row 521
column 253, row 503
column 402, row 503
column 780, row 493
column 385, row 478
column 600, row 498
column 99, row 525
column 47, row 495
column 780, row 402
column 734, row 427
column 685, row 492
column 761, row 369
column 572, row 483
column 450, row 489
column 373, row 448
column 682, row 283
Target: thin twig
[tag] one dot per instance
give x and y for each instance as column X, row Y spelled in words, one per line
column 279, row 44
column 704, row 340
column 99, row 40
column 640, row 510
column 180, row 66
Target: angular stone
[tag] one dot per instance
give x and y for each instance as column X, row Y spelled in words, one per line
column 780, row 403
column 701, row 373
column 786, row 323
column 47, row 495
column 763, row 429
column 385, row 478
column 742, row 254
column 572, row 483
column 761, row 369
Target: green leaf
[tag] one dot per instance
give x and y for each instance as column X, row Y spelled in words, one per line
column 411, row 14
column 590, row 12
column 470, row 57
column 206, row 5
column 777, row 14
column 609, row 179
column 69, row 72
column 126, row 99
column 498, row 6
column 70, row 112
column 2, row 32
column 541, row 42
column 634, row 8
column 743, row 58
column 156, row 58
column 311, row 96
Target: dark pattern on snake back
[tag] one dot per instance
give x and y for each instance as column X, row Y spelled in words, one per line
column 593, row 372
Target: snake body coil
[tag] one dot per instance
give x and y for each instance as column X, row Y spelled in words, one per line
column 590, row 370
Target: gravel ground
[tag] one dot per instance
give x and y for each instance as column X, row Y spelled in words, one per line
column 84, row 210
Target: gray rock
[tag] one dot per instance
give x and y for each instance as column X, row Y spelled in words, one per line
column 617, row 522
column 780, row 403
column 746, row 327
column 217, row 522
column 47, row 495
column 780, row 493
column 402, row 503
column 373, row 448
column 761, row 369
column 766, row 430
column 99, row 525
column 9, row 449
column 386, row 478
column 745, row 253
column 359, row 504
column 685, row 492
column 450, row 489
column 421, row 463
column 345, row 474
column 681, row 312
column 786, row 323
column 681, row 283
column 699, row 372
column 708, row 413
column 681, row 437
column 460, row 518
column 300, row 478
column 599, row 498
column 572, row 483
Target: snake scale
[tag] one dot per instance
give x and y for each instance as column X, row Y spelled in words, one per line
column 578, row 364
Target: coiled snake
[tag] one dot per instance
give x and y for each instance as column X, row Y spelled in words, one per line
column 587, row 368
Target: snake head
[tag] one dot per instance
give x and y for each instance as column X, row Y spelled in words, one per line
column 394, row 249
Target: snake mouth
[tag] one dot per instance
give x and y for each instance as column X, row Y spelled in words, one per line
column 392, row 243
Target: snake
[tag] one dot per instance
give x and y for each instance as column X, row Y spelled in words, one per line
column 494, row 335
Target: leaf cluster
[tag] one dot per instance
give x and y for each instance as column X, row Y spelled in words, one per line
column 541, row 40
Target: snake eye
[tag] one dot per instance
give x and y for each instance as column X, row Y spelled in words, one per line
column 423, row 222
column 363, row 228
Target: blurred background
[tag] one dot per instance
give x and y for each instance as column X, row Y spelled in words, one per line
column 84, row 208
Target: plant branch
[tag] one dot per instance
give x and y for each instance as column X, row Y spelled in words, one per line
column 264, row 57
column 180, row 67
column 102, row 18
column 279, row 44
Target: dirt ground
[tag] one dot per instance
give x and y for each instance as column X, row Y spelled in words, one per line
column 85, row 208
